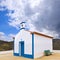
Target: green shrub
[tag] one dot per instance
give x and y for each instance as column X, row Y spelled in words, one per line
column 47, row 52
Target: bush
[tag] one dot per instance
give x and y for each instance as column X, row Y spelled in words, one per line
column 47, row 52
column 4, row 46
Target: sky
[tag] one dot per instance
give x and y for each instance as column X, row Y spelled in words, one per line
column 41, row 15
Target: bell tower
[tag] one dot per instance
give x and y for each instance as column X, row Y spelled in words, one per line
column 24, row 25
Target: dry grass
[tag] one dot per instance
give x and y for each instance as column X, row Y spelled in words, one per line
column 9, row 56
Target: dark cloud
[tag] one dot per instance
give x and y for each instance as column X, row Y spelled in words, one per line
column 28, row 11
column 49, row 15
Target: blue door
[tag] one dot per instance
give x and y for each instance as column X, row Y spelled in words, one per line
column 21, row 48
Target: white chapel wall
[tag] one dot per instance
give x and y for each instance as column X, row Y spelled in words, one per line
column 41, row 43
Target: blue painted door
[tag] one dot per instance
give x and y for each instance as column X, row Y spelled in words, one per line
column 21, row 48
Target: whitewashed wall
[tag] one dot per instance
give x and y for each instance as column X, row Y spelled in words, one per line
column 27, row 42
column 16, row 43
column 41, row 43
column 27, row 38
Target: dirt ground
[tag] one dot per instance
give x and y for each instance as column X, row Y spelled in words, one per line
column 55, row 56
column 9, row 56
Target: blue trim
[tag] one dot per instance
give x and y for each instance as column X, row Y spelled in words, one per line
column 19, row 48
column 33, row 45
column 16, row 54
column 31, row 56
column 22, row 48
column 28, row 56
column 22, row 51
column 22, row 22
column 22, row 28
column 13, row 46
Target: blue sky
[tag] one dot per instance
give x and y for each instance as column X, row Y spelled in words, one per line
column 4, row 26
column 41, row 15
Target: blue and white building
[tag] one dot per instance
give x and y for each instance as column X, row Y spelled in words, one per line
column 31, row 44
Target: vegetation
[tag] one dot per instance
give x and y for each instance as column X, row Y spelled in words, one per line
column 47, row 52
column 4, row 45
column 56, row 44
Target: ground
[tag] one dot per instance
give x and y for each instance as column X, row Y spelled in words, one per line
column 9, row 56
column 55, row 56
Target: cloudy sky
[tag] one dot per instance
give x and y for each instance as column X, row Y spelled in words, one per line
column 41, row 15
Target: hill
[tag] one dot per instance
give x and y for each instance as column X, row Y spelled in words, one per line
column 4, row 45
column 56, row 44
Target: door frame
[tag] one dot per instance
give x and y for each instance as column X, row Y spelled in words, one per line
column 21, row 48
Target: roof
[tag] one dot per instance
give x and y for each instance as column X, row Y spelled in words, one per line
column 37, row 33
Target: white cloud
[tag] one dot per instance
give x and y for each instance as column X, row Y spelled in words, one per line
column 34, row 3
column 19, row 13
column 6, row 38
column 1, row 33
column 11, row 35
column 2, row 36
column 50, row 33
column 14, row 23
column 7, row 3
